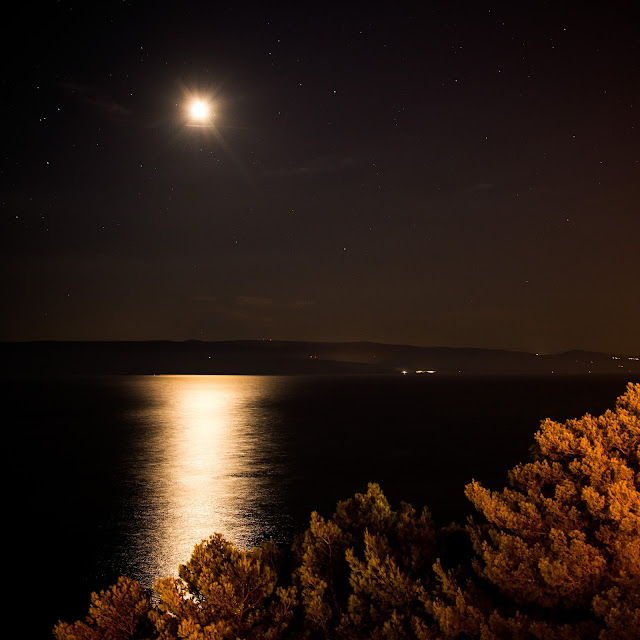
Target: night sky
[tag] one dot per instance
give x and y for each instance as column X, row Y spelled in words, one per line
column 436, row 174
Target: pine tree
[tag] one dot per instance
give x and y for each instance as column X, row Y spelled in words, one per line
column 224, row 593
column 558, row 551
column 358, row 571
column 117, row 613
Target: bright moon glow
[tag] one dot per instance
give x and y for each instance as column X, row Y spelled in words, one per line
column 199, row 110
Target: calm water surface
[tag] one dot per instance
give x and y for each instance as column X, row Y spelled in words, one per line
column 208, row 457
column 123, row 475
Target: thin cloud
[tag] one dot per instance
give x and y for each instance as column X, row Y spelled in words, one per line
column 253, row 301
column 321, row 164
column 88, row 95
column 482, row 186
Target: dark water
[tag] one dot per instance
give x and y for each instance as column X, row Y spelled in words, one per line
column 123, row 475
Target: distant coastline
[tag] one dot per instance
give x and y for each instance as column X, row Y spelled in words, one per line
column 265, row 357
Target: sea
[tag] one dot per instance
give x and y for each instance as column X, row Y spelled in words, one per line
column 123, row 475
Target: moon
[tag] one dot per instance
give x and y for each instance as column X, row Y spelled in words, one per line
column 199, row 110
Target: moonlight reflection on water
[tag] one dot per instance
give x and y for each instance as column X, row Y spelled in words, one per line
column 205, row 465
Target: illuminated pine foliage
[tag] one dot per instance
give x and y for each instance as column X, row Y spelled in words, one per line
column 120, row 612
column 559, row 552
column 359, row 572
column 223, row 592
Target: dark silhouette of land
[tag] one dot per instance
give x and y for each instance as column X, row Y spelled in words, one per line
column 267, row 357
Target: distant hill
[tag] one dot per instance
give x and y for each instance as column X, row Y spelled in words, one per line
column 283, row 357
